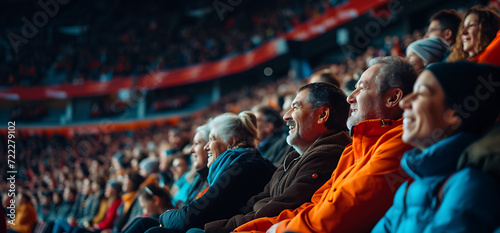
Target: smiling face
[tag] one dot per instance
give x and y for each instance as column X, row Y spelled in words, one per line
column 200, row 156
column 415, row 61
column 366, row 103
column 426, row 118
column 300, row 120
column 214, row 147
column 470, row 34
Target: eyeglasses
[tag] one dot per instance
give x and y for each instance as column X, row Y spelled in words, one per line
column 430, row 30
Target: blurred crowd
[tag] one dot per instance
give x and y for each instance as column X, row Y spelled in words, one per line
column 91, row 181
column 151, row 37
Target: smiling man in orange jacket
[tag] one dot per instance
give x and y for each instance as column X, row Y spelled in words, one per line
column 368, row 174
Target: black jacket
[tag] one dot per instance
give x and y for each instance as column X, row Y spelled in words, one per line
column 238, row 180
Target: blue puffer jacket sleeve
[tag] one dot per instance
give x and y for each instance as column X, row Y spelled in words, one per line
column 470, row 204
column 470, row 200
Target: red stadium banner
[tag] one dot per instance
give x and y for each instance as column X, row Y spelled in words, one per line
column 154, row 80
column 333, row 17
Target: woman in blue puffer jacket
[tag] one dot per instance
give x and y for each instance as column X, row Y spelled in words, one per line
column 451, row 106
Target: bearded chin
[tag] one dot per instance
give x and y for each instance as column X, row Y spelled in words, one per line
column 351, row 121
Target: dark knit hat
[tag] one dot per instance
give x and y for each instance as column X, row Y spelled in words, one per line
column 473, row 90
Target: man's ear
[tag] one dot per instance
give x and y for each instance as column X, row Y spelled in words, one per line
column 393, row 96
column 324, row 114
column 448, row 34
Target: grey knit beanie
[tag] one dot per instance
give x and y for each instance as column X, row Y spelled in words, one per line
column 430, row 50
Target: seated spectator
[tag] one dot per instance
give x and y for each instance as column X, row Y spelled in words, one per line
column 368, row 173
column 477, row 30
column 25, row 219
column 325, row 76
column 57, row 204
column 113, row 201
column 172, row 149
column 237, row 172
column 438, row 197
column 93, row 203
column 179, row 168
column 44, row 206
column 130, row 207
column 197, row 177
column 154, row 201
column 426, row 51
column 444, row 24
column 271, row 135
column 118, row 165
column 64, row 210
column 318, row 146
column 77, row 211
column 148, row 169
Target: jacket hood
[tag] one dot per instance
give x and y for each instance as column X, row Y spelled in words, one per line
column 228, row 158
column 439, row 159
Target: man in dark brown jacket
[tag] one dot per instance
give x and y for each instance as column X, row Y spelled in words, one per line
column 317, row 131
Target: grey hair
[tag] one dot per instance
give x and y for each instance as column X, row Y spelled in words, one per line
column 204, row 130
column 395, row 72
column 241, row 126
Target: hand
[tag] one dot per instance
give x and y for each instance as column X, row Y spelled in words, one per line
column 273, row 228
column 106, row 231
column 71, row 220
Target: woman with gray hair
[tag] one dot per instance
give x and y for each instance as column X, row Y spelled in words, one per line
column 194, row 181
column 237, row 172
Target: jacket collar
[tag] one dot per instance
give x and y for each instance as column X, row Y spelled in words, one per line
column 334, row 137
column 374, row 127
column 439, row 159
column 228, row 158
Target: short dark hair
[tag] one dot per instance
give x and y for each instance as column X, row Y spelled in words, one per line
column 448, row 19
column 135, row 178
column 395, row 72
column 152, row 190
column 271, row 115
column 325, row 75
column 328, row 95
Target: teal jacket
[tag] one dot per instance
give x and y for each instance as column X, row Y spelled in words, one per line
column 234, row 177
column 470, row 200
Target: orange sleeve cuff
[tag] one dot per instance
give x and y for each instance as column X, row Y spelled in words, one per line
column 282, row 226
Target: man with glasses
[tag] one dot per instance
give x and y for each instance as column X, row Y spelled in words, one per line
column 444, row 24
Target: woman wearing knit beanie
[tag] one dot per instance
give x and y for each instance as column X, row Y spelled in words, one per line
column 423, row 52
column 452, row 104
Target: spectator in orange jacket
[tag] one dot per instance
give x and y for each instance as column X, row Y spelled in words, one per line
column 491, row 54
column 25, row 216
column 362, row 187
column 478, row 29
